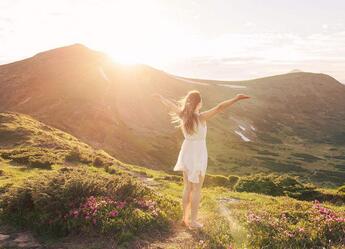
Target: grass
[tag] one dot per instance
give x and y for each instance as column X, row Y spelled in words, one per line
column 29, row 141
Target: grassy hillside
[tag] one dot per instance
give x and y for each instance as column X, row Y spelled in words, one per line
column 294, row 121
column 72, row 196
column 24, row 140
column 56, row 186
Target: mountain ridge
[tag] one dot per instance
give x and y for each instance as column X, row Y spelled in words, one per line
column 109, row 106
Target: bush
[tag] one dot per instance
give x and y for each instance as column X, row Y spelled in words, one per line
column 232, row 180
column 295, row 226
column 112, row 170
column 341, row 189
column 274, row 185
column 77, row 155
column 174, row 178
column 32, row 157
column 258, row 184
column 98, row 162
column 216, row 180
column 44, row 164
column 79, row 200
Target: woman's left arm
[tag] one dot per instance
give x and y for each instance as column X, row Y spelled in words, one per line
column 171, row 106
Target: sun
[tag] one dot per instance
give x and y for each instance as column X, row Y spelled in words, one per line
column 125, row 59
column 133, row 35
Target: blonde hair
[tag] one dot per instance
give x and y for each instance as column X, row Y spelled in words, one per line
column 187, row 118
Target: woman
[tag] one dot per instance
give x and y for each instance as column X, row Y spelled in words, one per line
column 192, row 158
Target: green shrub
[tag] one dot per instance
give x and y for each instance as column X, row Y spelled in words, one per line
column 32, row 157
column 216, row 180
column 112, row 170
column 98, row 161
column 341, row 189
column 78, row 155
column 78, row 200
column 44, row 164
column 232, row 180
column 294, row 188
column 174, row 178
column 274, row 185
column 258, row 184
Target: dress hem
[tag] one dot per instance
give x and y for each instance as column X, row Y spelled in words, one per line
column 182, row 168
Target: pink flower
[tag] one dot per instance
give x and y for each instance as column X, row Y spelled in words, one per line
column 253, row 218
column 289, row 234
column 113, row 213
column 121, row 204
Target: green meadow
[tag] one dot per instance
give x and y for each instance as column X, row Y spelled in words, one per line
column 69, row 195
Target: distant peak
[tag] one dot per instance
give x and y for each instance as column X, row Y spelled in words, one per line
column 76, row 46
column 296, row 71
column 73, row 49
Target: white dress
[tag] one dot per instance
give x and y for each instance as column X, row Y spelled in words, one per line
column 193, row 155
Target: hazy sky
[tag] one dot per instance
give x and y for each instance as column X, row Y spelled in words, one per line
column 229, row 39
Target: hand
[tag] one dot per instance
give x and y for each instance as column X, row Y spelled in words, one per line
column 242, row 96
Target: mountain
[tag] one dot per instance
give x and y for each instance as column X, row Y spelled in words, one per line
column 295, row 71
column 293, row 122
column 81, row 91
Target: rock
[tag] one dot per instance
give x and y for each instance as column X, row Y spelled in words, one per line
column 23, row 237
column 26, row 240
column 4, row 237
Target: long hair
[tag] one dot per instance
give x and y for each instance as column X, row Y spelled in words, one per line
column 187, row 118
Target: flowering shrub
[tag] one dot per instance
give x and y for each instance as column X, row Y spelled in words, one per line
column 307, row 227
column 108, row 215
column 77, row 200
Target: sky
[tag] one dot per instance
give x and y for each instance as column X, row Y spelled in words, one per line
column 212, row 39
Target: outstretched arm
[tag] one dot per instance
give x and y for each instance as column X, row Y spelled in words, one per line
column 206, row 115
column 171, row 106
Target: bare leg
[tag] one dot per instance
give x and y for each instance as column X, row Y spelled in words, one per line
column 196, row 196
column 186, row 198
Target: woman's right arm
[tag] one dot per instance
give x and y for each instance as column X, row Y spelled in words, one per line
column 171, row 106
column 206, row 115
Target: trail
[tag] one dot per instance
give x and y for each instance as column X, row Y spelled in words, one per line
column 10, row 238
column 179, row 236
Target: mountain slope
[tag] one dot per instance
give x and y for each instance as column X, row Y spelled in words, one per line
column 293, row 122
column 26, row 141
column 38, row 199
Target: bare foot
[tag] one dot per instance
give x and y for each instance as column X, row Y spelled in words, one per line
column 195, row 224
column 184, row 222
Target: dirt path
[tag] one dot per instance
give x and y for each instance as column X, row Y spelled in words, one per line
column 10, row 238
column 180, row 237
